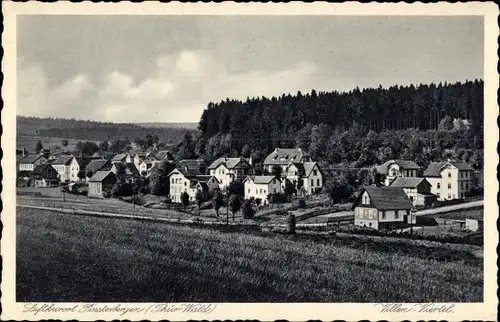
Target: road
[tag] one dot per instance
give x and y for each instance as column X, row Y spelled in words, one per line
column 439, row 210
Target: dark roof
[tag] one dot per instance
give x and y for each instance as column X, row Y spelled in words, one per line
column 96, row 165
column 63, row 160
column 39, row 168
column 99, row 176
column 387, row 198
column 261, row 179
column 229, row 163
column 203, row 185
column 407, row 182
column 204, row 178
column 403, row 164
column 434, row 168
column 31, row 158
column 284, row 156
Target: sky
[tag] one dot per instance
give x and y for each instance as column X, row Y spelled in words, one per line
column 168, row 68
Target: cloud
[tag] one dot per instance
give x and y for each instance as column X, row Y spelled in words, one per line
column 177, row 91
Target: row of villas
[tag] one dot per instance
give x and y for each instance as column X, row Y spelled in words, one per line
column 296, row 168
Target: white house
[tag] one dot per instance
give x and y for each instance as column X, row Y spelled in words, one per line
column 397, row 168
column 67, row 166
column 133, row 158
column 383, row 208
column 259, row 187
column 283, row 157
column 306, row 177
column 449, row 179
column 226, row 170
column 30, row 162
column 182, row 180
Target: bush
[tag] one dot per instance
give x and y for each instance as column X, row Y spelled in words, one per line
column 247, row 209
column 276, row 198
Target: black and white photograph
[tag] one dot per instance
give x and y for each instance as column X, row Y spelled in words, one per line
column 233, row 158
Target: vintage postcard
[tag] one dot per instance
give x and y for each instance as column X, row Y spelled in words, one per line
column 202, row 161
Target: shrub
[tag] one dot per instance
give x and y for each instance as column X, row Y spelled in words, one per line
column 247, row 209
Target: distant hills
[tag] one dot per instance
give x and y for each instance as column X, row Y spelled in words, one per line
column 191, row 126
column 100, row 131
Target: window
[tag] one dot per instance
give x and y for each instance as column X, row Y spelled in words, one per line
column 411, row 198
column 396, row 214
column 317, row 182
column 449, row 196
column 366, row 199
column 466, row 186
column 449, row 185
column 248, row 191
column 274, row 190
column 172, row 180
column 370, row 224
column 312, row 182
column 449, row 174
column 261, row 191
column 315, row 172
column 185, row 183
column 439, row 185
column 383, row 214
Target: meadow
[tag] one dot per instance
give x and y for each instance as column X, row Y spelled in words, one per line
column 65, row 258
column 29, row 142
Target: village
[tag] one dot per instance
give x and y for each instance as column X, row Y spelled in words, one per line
column 400, row 189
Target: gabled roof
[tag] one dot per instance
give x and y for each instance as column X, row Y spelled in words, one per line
column 31, row 158
column 203, row 185
column 434, row 168
column 99, row 176
column 119, row 157
column 41, row 167
column 387, row 198
column 284, row 156
column 261, row 179
column 403, row 164
column 63, row 160
column 229, row 163
column 96, row 165
column 407, row 182
column 305, row 169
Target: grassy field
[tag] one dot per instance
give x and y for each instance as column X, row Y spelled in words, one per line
column 93, row 259
column 472, row 213
column 29, row 142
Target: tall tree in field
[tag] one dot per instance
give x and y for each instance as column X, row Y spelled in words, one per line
column 185, row 199
column 235, row 204
column 247, row 209
column 38, row 147
column 217, row 201
column 199, row 199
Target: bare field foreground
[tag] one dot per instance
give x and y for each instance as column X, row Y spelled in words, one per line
column 86, row 259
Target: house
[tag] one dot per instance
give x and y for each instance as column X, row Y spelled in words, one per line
column 259, row 187
column 119, row 158
column 381, row 207
column 67, row 167
column 449, row 179
column 306, row 177
column 283, row 157
column 397, row 168
column 133, row 158
column 45, row 175
column 97, row 165
column 30, row 162
column 100, row 182
column 128, row 170
column 226, row 170
column 418, row 190
column 185, row 180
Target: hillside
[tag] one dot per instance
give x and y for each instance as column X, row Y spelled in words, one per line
column 191, row 126
column 358, row 128
column 95, row 131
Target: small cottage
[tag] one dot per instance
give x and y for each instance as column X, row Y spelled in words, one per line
column 382, row 208
column 418, row 190
column 259, row 187
column 100, row 182
column 45, row 175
